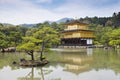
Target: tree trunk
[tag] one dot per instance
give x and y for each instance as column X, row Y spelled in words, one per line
column 41, row 52
column 31, row 54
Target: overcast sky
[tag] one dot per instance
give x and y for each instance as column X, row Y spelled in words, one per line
column 35, row 11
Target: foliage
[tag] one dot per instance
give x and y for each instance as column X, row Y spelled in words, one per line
column 15, row 37
column 101, row 33
column 27, row 46
column 115, row 38
column 48, row 37
column 47, row 34
column 3, row 41
column 31, row 39
column 57, row 27
column 41, row 40
column 12, row 35
column 116, row 19
column 30, row 31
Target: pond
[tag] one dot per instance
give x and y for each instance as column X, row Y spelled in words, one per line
column 65, row 64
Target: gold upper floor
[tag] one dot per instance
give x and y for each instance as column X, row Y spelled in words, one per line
column 76, row 29
column 75, row 26
column 78, row 34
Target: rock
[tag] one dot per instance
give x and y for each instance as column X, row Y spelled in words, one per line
column 14, row 62
column 30, row 63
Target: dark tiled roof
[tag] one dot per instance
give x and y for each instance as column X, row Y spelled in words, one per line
column 76, row 30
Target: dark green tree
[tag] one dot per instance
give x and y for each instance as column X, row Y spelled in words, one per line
column 48, row 37
column 29, row 45
column 15, row 38
column 3, row 41
column 115, row 38
column 116, row 19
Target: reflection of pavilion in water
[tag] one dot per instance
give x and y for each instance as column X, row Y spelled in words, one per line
column 77, row 62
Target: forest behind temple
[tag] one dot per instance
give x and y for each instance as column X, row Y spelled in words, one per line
column 107, row 31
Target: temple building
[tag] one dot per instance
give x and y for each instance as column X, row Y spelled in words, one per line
column 76, row 34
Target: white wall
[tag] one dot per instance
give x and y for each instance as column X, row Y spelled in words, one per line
column 89, row 41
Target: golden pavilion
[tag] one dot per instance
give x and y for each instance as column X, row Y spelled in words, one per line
column 76, row 34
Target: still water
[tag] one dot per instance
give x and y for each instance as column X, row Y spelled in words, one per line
column 65, row 64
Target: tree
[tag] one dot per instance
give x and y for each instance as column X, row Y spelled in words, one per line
column 30, row 31
column 54, row 25
column 29, row 48
column 115, row 38
column 22, row 30
column 43, row 39
column 15, row 38
column 116, row 19
column 48, row 37
column 29, row 45
column 3, row 41
column 57, row 27
column 98, row 34
column 105, row 35
column 109, row 23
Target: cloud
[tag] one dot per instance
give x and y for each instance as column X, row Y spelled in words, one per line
column 23, row 12
column 43, row 1
column 82, row 8
column 31, row 15
column 26, row 11
column 8, row 1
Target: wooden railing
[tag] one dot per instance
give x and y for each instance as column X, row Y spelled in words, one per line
column 79, row 36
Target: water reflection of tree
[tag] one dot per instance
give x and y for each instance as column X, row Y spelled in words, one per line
column 100, row 59
column 107, row 59
column 6, row 59
column 31, row 76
